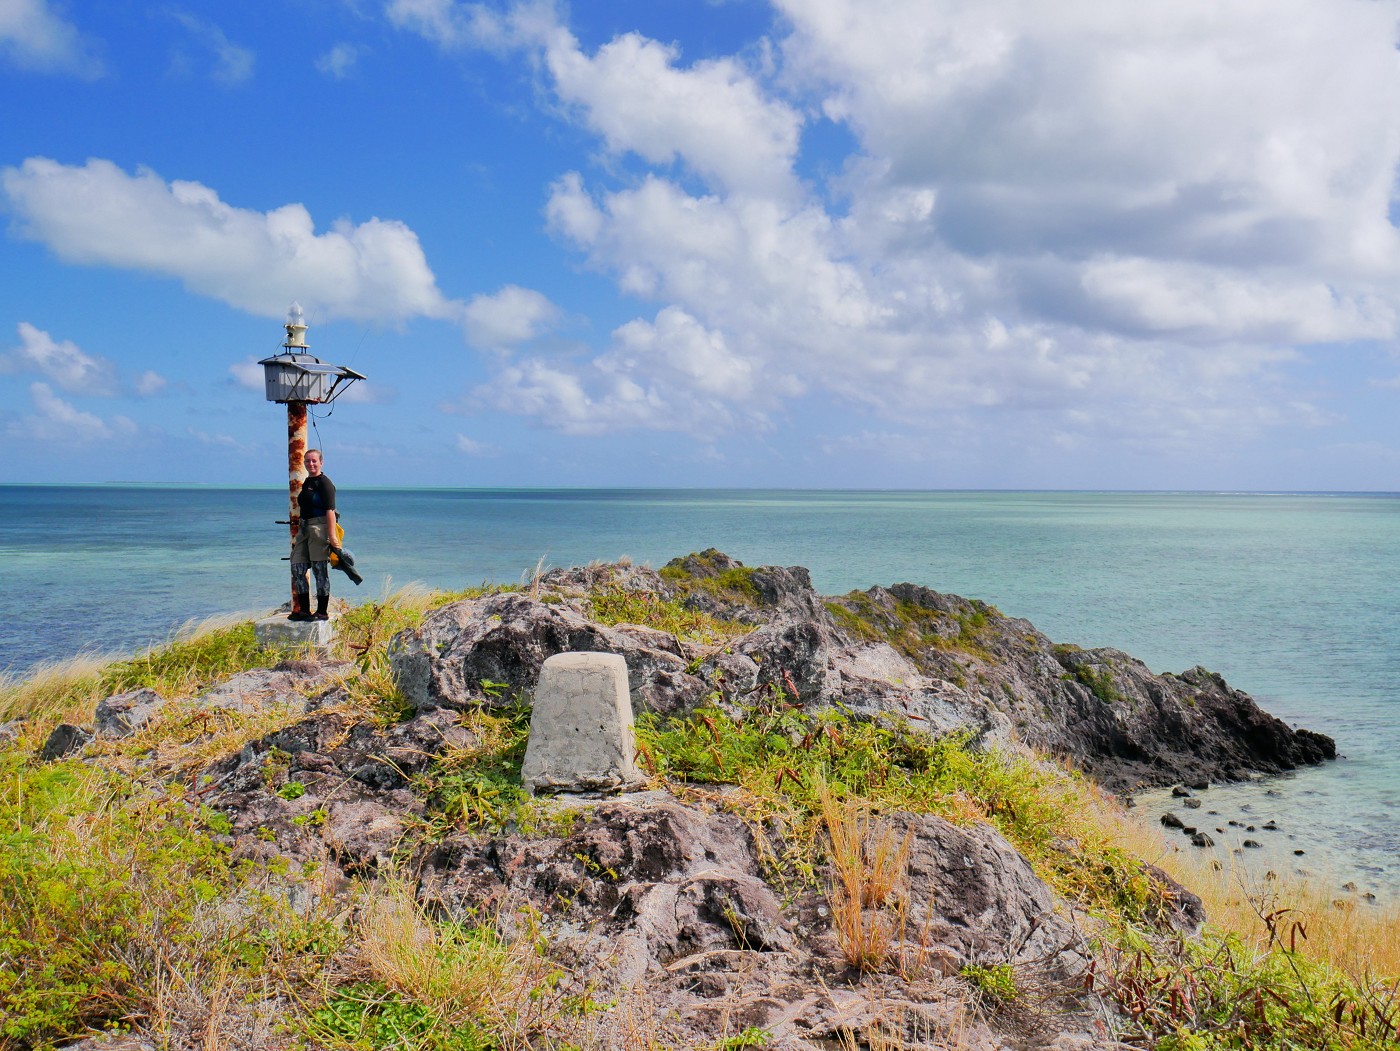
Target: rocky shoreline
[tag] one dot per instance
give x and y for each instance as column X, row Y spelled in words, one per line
column 684, row 894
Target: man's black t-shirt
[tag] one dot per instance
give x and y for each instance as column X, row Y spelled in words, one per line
column 317, row 496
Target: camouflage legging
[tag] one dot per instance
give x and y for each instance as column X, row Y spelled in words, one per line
column 322, row 573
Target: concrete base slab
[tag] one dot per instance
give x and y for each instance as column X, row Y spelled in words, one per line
column 277, row 630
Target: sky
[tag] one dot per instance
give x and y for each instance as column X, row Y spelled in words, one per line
column 917, row 244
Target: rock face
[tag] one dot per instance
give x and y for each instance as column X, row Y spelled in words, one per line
column 647, row 889
column 581, row 736
column 944, row 663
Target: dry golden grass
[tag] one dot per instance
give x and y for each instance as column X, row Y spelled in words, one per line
column 464, row 976
column 68, row 690
column 868, row 859
column 56, row 691
column 1359, row 938
column 892, row 1030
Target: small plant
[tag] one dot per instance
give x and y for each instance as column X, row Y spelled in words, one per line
column 292, row 790
column 868, row 859
column 997, row 981
column 749, row 1037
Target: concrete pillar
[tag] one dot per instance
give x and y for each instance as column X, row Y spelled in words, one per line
column 581, row 731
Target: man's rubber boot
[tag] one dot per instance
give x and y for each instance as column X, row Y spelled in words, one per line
column 298, row 612
column 321, row 602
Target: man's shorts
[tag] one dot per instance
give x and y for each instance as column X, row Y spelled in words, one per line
column 310, row 544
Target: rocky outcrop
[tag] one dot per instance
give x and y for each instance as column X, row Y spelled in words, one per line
column 942, row 662
column 686, row 898
column 646, row 889
column 489, row 651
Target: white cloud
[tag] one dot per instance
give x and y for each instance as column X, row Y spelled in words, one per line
column 57, row 422
column 33, row 37
column 222, row 441
column 445, row 22
column 1100, row 222
column 249, row 375
column 97, row 214
column 670, row 374
column 512, row 315
column 232, row 64
column 712, row 115
column 150, row 383
column 63, row 363
column 339, row 62
column 472, row 447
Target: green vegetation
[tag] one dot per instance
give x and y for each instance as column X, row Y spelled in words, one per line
column 1098, row 679
column 478, row 789
column 116, row 896
column 194, row 661
column 997, row 981
column 612, row 604
column 913, row 629
column 784, row 759
column 733, row 583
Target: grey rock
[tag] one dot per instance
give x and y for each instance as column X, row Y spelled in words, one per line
column 1202, row 839
column 447, row 660
column 1191, row 804
column 64, row 741
column 1252, row 843
column 1170, row 820
column 122, row 714
column 979, row 898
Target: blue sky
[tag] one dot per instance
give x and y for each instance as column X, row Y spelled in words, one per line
column 845, row 243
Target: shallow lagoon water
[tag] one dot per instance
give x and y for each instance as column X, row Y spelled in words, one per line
column 1294, row 598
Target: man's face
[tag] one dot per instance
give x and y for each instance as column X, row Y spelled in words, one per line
column 313, row 463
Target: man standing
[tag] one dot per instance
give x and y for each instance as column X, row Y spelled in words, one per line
column 316, row 538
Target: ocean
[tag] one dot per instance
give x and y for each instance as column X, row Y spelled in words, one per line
column 1293, row 597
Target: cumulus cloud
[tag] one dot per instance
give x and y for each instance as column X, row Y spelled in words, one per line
column 231, row 63
column 1099, row 222
column 33, row 37
column 668, row 374
column 339, row 62
column 62, row 363
column 713, row 116
column 97, row 214
column 58, row 422
column 510, row 316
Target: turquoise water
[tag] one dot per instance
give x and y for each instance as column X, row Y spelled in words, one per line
column 1292, row 597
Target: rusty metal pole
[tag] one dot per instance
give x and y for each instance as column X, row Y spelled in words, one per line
column 296, row 472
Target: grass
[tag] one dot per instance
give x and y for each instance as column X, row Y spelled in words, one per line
column 913, row 629
column 733, row 583
column 418, row 984
column 612, row 604
column 198, row 656
column 119, row 904
column 868, row 860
